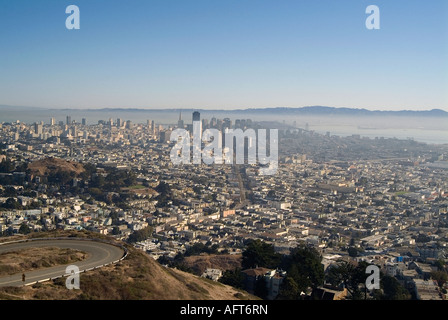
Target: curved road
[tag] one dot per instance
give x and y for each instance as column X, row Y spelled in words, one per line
column 100, row 254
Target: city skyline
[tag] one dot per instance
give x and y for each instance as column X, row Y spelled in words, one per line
column 232, row 55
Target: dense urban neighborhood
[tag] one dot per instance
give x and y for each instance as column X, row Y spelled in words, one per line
column 352, row 200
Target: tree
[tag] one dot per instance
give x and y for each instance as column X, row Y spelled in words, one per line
column 349, row 275
column 440, row 276
column 10, row 192
column 6, row 166
column 233, row 278
column 197, row 190
column 304, row 265
column 24, row 228
column 97, row 181
column 114, row 217
column 115, row 230
column 165, row 194
column 140, row 235
column 352, row 252
column 260, row 254
column 96, row 193
column 422, row 238
column 199, row 248
column 393, row 290
column 271, row 194
column 289, row 290
column 11, row 203
column 440, row 264
column 89, row 170
column 8, row 232
column 60, row 177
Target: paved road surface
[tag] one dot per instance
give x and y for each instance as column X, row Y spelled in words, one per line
column 100, row 254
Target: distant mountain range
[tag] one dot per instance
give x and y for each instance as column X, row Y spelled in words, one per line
column 318, row 110
column 349, row 111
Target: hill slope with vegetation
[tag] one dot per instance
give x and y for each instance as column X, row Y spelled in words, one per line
column 137, row 277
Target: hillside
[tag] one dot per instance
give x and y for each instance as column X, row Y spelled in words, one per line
column 224, row 262
column 138, row 277
column 51, row 165
column 14, row 262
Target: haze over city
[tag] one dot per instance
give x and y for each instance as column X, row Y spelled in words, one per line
column 245, row 151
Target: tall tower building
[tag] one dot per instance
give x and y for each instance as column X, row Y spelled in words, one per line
column 52, row 121
column 238, row 124
column 180, row 122
column 197, row 137
column 196, row 116
column 68, row 120
column 83, row 121
column 38, row 128
column 227, row 123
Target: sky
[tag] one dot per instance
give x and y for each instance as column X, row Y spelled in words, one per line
column 224, row 54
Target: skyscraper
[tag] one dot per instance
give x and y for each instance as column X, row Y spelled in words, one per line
column 38, row 128
column 196, row 116
column 52, row 121
column 197, row 137
column 84, row 121
column 227, row 123
column 69, row 120
column 180, row 122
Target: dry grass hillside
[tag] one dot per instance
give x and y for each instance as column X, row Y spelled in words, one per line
column 45, row 166
column 224, row 262
column 138, row 277
column 19, row 261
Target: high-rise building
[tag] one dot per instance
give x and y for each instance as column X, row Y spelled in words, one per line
column 180, row 122
column 227, row 123
column 52, row 121
column 205, row 123
column 38, row 128
column 165, row 136
column 196, row 116
column 68, row 120
column 197, row 137
column 84, row 121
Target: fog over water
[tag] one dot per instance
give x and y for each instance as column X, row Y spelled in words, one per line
column 426, row 129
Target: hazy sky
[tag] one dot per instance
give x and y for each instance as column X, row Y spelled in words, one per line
column 224, row 54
